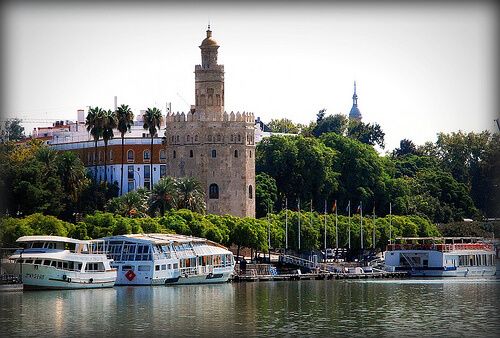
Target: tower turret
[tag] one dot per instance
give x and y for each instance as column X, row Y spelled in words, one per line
column 209, row 82
column 355, row 113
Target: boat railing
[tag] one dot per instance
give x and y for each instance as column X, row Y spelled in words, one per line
column 440, row 247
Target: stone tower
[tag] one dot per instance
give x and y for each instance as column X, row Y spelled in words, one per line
column 355, row 114
column 211, row 145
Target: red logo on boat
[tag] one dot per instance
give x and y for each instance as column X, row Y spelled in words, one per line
column 130, row 275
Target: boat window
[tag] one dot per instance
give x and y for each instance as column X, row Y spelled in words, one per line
column 169, row 266
column 157, row 268
column 28, row 261
column 144, row 268
column 65, row 265
column 59, row 265
column 71, row 265
column 164, row 267
column 46, row 262
column 127, row 267
column 79, row 266
column 38, row 261
column 176, row 265
column 54, row 264
column 37, row 245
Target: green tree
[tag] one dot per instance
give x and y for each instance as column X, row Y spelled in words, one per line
column 333, row 123
column 12, row 130
column 367, row 133
column 190, row 194
column 125, row 119
column 109, row 122
column 164, row 196
column 266, row 193
column 94, row 124
column 284, row 125
column 152, row 120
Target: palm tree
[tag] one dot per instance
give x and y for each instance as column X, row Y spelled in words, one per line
column 109, row 122
column 72, row 173
column 152, row 119
column 125, row 119
column 191, row 195
column 164, row 195
column 94, row 126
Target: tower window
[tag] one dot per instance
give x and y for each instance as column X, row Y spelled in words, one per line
column 214, row 153
column 250, row 192
column 191, row 153
column 236, row 153
column 218, row 138
column 174, row 154
column 163, row 155
column 250, row 154
column 239, row 138
column 196, row 138
column 213, row 191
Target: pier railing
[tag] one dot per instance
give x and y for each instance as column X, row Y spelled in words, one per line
column 440, row 247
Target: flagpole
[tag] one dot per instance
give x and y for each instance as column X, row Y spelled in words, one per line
column 361, row 227
column 349, row 240
column 390, row 223
column 286, row 224
column 299, row 223
column 325, row 233
column 336, row 228
column 268, row 233
column 373, row 239
column 325, row 230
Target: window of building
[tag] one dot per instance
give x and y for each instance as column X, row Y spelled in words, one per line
column 100, row 156
column 191, row 154
column 209, row 138
column 188, row 138
column 213, row 191
column 174, row 155
column 250, row 192
column 130, row 155
column 89, row 158
column 163, row 155
column 147, row 176
column 130, row 170
column 239, row 138
column 110, row 156
column 196, row 138
column 214, row 153
column 178, row 138
column 236, row 153
column 163, row 170
column 250, row 154
column 232, row 138
column 146, row 155
column 218, row 138
column 130, row 186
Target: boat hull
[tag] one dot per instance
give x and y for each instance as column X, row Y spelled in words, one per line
column 472, row 271
column 45, row 277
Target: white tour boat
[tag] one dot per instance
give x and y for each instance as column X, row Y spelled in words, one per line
column 164, row 259
column 441, row 256
column 54, row 262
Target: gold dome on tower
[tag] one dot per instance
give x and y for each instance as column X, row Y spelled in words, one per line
column 209, row 41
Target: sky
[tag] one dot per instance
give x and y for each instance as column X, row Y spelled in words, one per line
column 420, row 67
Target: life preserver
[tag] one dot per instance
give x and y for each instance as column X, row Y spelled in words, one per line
column 64, row 277
column 68, row 280
column 91, row 280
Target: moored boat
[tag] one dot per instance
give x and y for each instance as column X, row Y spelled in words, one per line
column 441, row 256
column 54, row 262
column 166, row 259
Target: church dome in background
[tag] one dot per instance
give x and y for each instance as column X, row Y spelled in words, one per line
column 209, row 41
column 355, row 114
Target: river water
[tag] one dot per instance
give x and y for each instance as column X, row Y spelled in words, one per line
column 393, row 308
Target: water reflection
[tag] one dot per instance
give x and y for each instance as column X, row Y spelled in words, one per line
column 325, row 308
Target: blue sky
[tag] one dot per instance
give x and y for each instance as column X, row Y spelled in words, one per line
column 420, row 68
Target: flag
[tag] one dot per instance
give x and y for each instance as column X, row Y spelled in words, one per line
column 348, row 206
column 359, row 208
column 334, row 207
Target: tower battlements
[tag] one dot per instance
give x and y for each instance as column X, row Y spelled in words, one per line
column 196, row 116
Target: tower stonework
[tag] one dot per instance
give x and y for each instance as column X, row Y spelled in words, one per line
column 213, row 146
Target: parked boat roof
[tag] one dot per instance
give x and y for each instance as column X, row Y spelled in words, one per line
column 41, row 238
column 164, row 238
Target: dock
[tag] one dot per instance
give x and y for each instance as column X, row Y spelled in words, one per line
column 317, row 276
